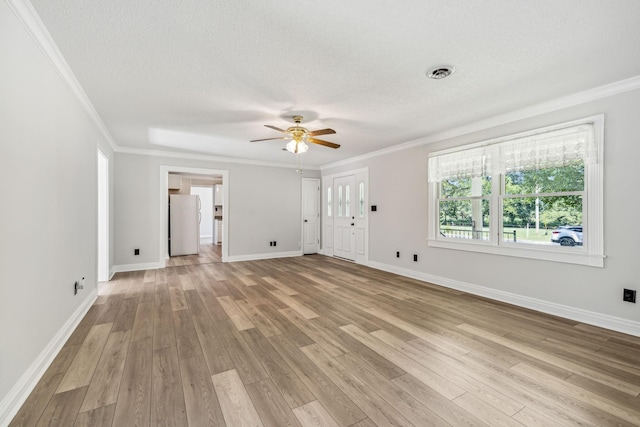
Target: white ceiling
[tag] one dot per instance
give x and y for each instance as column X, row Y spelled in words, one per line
column 205, row 76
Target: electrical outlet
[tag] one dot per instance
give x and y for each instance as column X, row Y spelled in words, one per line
column 136, row 251
column 77, row 286
column 374, row 208
column 629, row 295
column 415, row 257
column 274, row 243
column 397, row 254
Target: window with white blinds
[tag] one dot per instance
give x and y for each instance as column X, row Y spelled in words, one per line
column 537, row 194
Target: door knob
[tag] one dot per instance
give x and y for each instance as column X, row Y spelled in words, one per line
column 306, row 220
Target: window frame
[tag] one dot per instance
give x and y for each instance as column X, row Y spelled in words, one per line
column 592, row 251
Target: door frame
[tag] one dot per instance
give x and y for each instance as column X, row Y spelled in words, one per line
column 318, row 210
column 164, row 203
column 362, row 251
column 103, row 274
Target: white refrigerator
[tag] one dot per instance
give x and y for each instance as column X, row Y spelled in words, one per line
column 184, row 224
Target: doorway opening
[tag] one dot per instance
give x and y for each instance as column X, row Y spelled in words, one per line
column 103, row 217
column 205, row 186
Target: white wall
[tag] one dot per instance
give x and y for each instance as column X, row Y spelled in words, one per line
column 264, row 205
column 398, row 186
column 48, row 163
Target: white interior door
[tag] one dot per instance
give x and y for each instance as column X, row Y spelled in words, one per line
column 310, row 215
column 344, row 220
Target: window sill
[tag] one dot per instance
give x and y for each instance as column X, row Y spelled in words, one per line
column 576, row 255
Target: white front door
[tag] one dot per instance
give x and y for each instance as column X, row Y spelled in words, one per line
column 344, row 209
column 310, row 215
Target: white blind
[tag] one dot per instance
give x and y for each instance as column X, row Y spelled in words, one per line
column 556, row 148
column 470, row 163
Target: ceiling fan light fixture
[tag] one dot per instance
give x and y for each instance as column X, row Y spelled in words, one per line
column 297, row 146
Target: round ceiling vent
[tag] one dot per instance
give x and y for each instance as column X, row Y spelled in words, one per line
column 440, row 72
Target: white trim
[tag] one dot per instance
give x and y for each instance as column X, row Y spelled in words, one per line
column 136, row 267
column 40, row 35
column 164, row 203
column 579, row 98
column 195, row 156
column 10, row 405
column 255, row 257
column 104, row 244
column 613, row 323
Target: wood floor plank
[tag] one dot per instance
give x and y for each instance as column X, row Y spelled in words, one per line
column 104, row 386
column 186, row 336
column 377, row 409
column 291, row 387
column 422, row 373
column 313, row 414
column 305, row 312
column 486, row 413
column 133, row 407
column 245, row 361
column 38, row 400
column 629, row 414
column 270, row 405
column 126, row 315
column 143, row 323
column 167, row 400
column 63, row 408
column 335, row 400
column 200, row 398
column 410, row 407
column 99, row 417
column 237, row 316
column 454, row 372
column 256, row 317
column 318, row 335
column 237, row 407
column 163, row 329
column 621, row 385
column 86, row 360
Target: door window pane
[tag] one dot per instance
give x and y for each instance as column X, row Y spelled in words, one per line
column 361, row 200
column 339, row 201
column 347, row 200
column 329, row 204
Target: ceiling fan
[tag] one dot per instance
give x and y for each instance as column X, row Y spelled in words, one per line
column 299, row 136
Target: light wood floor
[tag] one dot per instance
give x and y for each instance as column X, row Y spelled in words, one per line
column 316, row 341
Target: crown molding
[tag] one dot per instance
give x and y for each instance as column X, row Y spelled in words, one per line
column 40, row 35
column 205, row 157
column 590, row 95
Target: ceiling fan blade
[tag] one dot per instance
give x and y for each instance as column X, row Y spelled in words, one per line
column 321, row 132
column 268, row 139
column 275, row 128
column 321, row 142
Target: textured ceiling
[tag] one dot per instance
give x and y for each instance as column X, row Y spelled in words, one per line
column 205, row 76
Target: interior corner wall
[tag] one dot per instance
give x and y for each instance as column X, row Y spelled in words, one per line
column 48, row 163
column 264, row 205
column 398, row 186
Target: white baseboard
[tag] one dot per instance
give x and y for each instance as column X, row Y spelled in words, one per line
column 12, row 402
column 255, row 257
column 592, row 318
column 136, row 267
